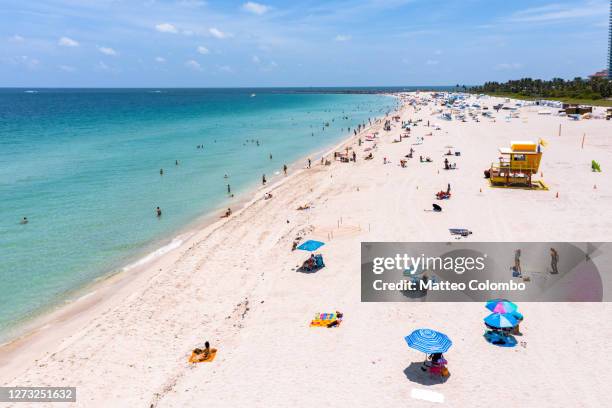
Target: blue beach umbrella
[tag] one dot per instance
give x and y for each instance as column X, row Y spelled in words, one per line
column 311, row 245
column 428, row 341
column 501, row 306
column 501, row 321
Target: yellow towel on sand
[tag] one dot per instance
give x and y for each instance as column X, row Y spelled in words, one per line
column 324, row 319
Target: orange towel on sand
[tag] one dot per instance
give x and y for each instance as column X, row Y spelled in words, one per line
column 199, row 358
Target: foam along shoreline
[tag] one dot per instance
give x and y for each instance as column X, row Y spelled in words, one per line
column 81, row 301
column 235, row 283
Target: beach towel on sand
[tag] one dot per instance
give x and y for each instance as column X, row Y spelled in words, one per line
column 197, row 358
column 325, row 320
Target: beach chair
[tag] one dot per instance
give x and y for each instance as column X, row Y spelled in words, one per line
column 319, row 261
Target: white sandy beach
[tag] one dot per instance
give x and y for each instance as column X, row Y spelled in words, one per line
column 234, row 283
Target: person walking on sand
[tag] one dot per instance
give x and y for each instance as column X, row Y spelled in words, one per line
column 263, row 179
column 448, row 189
column 354, row 156
column 554, row 260
column 158, row 212
column 285, row 169
column 517, row 262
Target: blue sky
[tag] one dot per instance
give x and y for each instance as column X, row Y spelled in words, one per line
column 155, row 43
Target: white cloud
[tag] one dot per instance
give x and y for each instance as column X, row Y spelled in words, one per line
column 255, row 59
column 559, row 12
column 66, row 68
column 166, row 28
column 215, row 32
column 102, row 66
column 108, row 51
column 203, row 50
column 67, row 42
column 255, row 8
column 342, row 37
column 432, row 62
column 226, row 68
column 195, row 65
column 28, row 62
column 17, row 38
column 508, row 66
column 161, row 60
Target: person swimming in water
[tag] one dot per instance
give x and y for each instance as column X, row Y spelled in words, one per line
column 24, row 221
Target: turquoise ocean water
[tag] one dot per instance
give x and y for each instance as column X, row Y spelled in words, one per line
column 84, row 167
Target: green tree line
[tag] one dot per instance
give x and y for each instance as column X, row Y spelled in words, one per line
column 577, row 88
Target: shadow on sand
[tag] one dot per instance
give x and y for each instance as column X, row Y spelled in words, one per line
column 306, row 270
column 414, row 373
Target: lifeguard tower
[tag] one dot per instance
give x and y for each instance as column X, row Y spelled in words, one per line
column 517, row 166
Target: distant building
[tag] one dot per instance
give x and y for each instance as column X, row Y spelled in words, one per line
column 610, row 45
column 604, row 73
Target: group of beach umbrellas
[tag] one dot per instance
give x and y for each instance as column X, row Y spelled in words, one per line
column 504, row 315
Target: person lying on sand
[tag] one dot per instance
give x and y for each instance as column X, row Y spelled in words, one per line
column 227, row 213
column 200, row 355
column 303, row 207
column 267, row 196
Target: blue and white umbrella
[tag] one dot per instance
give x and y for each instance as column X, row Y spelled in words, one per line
column 428, row 341
column 501, row 321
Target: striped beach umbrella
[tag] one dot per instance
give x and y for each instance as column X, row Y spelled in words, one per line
column 501, row 306
column 428, row 341
column 501, row 321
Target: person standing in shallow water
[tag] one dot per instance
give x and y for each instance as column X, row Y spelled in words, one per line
column 263, row 179
column 229, row 189
column 309, row 163
column 285, row 169
column 161, row 172
column 158, row 212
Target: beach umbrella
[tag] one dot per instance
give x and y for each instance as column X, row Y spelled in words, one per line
column 428, row 341
column 501, row 306
column 501, row 321
column 311, row 245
